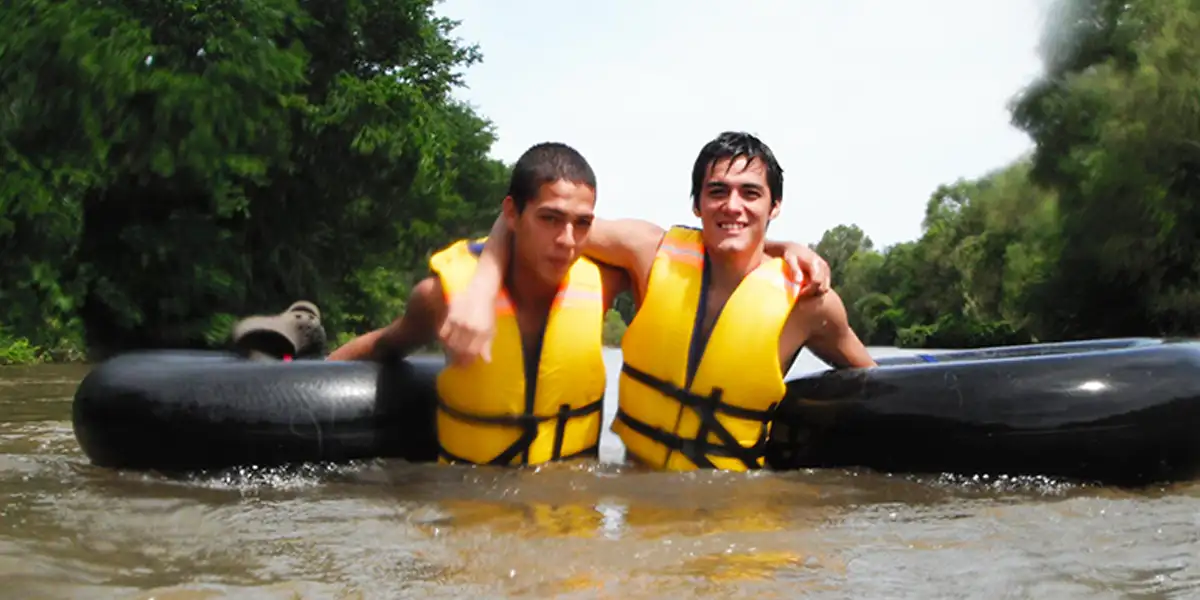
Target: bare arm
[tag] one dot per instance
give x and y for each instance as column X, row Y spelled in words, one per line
column 489, row 270
column 829, row 335
column 628, row 244
column 413, row 329
column 802, row 260
column 631, row 245
column 470, row 320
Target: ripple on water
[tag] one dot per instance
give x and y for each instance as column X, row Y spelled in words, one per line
column 1084, row 546
column 388, row 529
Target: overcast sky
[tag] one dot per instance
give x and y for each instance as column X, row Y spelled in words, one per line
column 868, row 104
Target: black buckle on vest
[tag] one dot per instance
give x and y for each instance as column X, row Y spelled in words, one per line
column 529, row 428
column 706, row 407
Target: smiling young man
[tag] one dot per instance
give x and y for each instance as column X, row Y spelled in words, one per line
column 718, row 324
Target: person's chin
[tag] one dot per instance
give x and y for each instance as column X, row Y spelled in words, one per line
column 728, row 245
column 554, row 274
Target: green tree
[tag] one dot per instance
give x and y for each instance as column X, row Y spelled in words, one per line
column 171, row 164
column 839, row 245
column 1116, row 121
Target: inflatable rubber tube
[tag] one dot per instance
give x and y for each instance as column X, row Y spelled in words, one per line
column 1106, row 410
column 1122, row 411
column 188, row 410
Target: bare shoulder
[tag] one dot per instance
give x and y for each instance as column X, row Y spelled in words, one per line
column 427, row 299
column 418, row 324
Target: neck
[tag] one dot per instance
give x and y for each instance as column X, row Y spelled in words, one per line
column 527, row 290
column 728, row 270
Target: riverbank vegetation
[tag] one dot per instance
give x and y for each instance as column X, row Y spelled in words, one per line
column 169, row 166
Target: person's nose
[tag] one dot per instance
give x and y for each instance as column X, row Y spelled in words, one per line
column 566, row 237
column 733, row 204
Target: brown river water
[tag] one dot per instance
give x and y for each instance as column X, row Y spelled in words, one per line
column 386, row 529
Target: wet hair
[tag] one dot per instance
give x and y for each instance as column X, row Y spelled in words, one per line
column 546, row 163
column 733, row 145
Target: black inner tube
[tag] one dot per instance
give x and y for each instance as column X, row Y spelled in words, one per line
column 195, row 410
column 1123, row 411
column 1120, row 411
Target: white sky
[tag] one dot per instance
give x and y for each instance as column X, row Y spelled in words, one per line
column 868, row 104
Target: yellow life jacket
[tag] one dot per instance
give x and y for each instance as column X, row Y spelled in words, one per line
column 687, row 404
column 507, row 412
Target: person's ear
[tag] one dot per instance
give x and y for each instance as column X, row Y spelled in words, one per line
column 509, row 208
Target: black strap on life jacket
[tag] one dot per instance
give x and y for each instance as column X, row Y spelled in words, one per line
column 528, row 423
column 700, row 448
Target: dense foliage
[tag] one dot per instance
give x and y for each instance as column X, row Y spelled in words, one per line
column 1095, row 234
column 171, row 164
